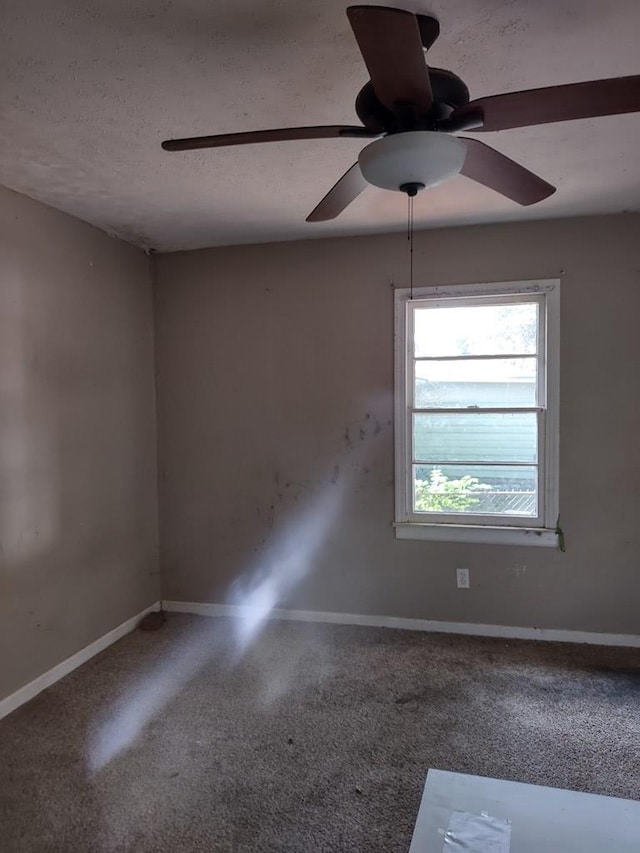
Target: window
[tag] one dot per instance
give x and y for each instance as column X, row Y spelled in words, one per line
column 477, row 375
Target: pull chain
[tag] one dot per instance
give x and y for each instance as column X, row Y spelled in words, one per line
column 410, row 239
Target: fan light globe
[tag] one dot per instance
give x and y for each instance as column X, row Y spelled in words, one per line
column 424, row 157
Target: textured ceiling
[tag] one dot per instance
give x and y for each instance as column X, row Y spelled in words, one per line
column 91, row 87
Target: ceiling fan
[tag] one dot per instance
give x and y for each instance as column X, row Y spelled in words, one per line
column 417, row 110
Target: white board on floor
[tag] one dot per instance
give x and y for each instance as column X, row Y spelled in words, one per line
column 542, row 819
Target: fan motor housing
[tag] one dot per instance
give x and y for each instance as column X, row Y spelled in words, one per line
column 449, row 93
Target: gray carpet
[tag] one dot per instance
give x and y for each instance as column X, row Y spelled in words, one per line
column 317, row 739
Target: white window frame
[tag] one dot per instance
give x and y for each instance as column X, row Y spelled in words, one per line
column 541, row 531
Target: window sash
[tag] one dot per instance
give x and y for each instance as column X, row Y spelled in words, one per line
column 474, row 517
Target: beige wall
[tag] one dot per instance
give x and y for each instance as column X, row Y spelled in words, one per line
column 275, row 367
column 78, row 520
column 275, row 379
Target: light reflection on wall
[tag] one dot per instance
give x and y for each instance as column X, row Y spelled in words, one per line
column 293, row 554
column 291, row 557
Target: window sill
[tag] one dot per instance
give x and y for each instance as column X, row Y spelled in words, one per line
column 541, row 537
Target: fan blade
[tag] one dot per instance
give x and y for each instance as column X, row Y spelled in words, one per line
column 391, row 45
column 492, row 169
column 280, row 135
column 429, row 30
column 544, row 106
column 339, row 196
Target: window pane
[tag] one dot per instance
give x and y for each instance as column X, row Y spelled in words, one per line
column 468, row 436
column 478, row 489
column 477, row 330
column 486, row 383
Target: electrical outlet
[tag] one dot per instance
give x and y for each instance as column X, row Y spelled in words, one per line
column 462, row 578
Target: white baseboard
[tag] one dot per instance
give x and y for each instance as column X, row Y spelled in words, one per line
column 24, row 694
column 468, row 628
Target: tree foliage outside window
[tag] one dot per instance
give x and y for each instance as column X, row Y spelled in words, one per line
column 440, row 494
